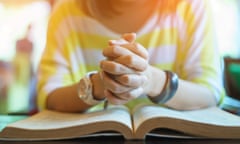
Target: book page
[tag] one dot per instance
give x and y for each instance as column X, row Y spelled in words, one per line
column 210, row 117
column 57, row 125
column 55, row 120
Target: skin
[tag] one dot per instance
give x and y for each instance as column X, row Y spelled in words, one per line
column 125, row 73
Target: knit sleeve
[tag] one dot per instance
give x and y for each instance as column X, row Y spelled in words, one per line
column 199, row 54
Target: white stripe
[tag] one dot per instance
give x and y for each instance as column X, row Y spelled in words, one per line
column 85, row 56
column 53, row 83
column 84, row 25
column 162, row 54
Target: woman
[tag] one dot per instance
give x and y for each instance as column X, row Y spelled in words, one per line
column 162, row 50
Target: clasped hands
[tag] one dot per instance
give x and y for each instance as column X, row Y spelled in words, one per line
column 123, row 72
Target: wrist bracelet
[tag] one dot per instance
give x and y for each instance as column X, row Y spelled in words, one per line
column 169, row 89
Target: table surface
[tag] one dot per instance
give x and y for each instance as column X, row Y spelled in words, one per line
column 120, row 140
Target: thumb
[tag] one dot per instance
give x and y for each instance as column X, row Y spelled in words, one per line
column 126, row 38
column 130, row 37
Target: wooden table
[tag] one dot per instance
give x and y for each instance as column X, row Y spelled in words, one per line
column 120, row 140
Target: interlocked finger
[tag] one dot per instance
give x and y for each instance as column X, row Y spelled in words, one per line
column 115, row 68
column 115, row 51
column 133, row 61
column 132, row 80
column 127, row 96
column 112, row 85
column 113, row 99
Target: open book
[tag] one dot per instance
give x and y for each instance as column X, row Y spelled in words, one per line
column 141, row 122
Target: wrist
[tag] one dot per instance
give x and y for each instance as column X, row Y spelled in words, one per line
column 168, row 90
column 154, row 84
column 85, row 89
column 98, row 87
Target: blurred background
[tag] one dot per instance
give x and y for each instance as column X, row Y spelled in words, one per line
column 23, row 25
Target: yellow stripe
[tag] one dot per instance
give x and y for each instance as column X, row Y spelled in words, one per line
column 156, row 38
column 65, row 9
column 86, row 41
column 165, row 66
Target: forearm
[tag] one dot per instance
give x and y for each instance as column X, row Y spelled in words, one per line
column 66, row 98
column 188, row 96
column 191, row 96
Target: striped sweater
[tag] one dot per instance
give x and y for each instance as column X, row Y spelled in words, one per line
column 181, row 40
